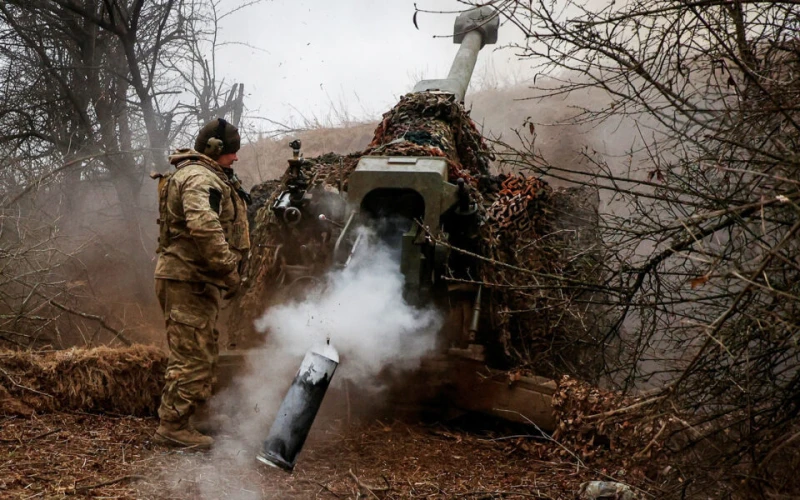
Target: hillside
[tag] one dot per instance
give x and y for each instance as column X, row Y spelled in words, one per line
column 497, row 112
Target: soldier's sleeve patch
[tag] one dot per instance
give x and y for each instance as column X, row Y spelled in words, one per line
column 214, row 199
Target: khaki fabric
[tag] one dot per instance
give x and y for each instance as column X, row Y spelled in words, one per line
column 190, row 312
column 205, row 234
column 203, row 243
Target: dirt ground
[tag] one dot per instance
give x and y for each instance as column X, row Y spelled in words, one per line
column 81, row 455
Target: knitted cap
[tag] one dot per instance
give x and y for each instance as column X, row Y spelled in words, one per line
column 208, row 140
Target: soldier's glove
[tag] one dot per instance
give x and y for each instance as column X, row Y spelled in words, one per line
column 233, row 282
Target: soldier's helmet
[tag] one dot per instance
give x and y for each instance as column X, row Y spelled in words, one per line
column 216, row 138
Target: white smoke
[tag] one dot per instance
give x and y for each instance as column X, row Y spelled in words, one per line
column 361, row 310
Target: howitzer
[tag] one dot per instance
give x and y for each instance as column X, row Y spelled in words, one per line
column 411, row 196
column 416, row 187
column 289, row 204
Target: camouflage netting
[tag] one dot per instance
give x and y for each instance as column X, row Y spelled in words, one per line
column 593, row 423
column 544, row 253
column 432, row 124
column 122, row 381
column 535, row 314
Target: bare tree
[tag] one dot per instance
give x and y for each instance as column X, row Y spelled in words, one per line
column 195, row 70
column 94, row 96
column 701, row 258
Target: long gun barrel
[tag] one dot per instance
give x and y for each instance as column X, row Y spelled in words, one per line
column 473, row 29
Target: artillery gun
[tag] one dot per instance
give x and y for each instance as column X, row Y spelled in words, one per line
column 424, row 185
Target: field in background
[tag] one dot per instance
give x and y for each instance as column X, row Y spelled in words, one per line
column 498, row 112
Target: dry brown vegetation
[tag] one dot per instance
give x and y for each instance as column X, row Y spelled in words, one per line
column 121, row 381
column 265, row 158
column 701, row 238
column 69, row 455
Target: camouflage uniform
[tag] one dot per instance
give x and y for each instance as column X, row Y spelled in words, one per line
column 203, row 243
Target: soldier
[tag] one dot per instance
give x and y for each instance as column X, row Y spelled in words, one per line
column 203, row 245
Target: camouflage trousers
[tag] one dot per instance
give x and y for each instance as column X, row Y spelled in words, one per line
column 190, row 312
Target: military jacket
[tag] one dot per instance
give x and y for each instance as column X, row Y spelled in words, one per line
column 204, row 231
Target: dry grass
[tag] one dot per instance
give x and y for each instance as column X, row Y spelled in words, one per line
column 62, row 455
column 118, row 381
column 266, row 159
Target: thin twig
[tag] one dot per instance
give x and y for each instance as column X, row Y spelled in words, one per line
column 484, row 494
column 63, row 167
column 118, row 334
column 34, row 438
column 122, row 479
column 14, row 382
column 652, row 441
column 321, row 485
column 547, row 436
column 369, row 489
column 626, row 409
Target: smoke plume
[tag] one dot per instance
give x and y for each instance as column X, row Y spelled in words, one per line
column 361, row 310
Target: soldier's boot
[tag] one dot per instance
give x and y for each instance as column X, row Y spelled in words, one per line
column 181, row 434
column 209, row 422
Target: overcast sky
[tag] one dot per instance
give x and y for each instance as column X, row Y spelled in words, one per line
column 309, row 57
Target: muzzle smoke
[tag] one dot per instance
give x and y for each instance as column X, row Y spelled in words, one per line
column 361, row 310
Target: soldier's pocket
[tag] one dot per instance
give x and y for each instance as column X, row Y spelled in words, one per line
column 188, row 318
column 184, row 329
